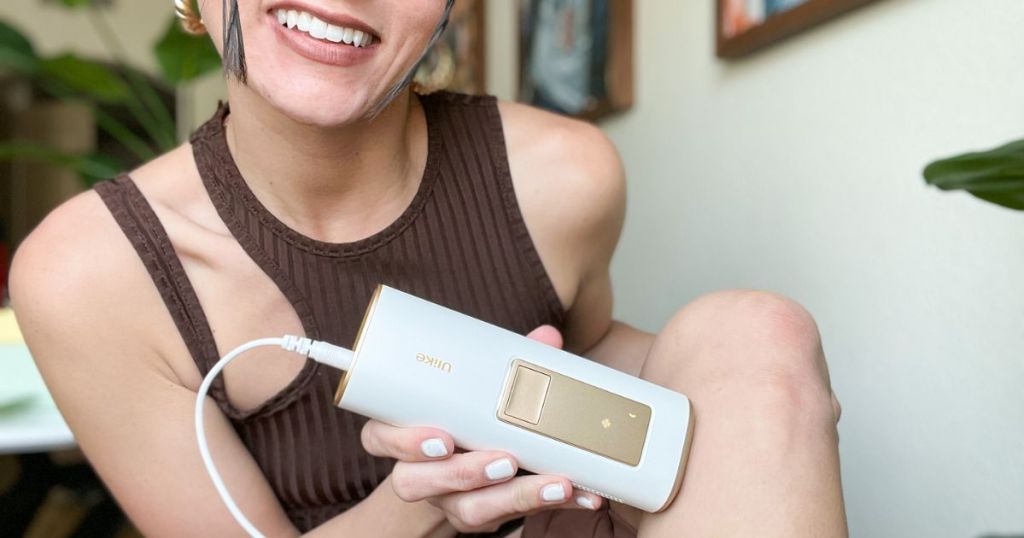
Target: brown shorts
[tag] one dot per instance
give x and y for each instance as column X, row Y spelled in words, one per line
column 601, row 523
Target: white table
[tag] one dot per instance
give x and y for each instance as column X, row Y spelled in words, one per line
column 29, row 420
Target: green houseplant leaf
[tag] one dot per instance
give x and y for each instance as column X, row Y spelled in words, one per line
column 16, row 52
column 996, row 175
column 77, row 3
column 92, row 167
column 182, row 56
column 129, row 106
column 87, row 77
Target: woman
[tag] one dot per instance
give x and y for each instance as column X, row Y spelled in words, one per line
column 327, row 176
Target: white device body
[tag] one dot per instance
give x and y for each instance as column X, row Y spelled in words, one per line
column 420, row 364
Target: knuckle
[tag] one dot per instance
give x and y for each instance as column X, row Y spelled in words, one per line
column 469, row 511
column 449, row 507
column 402, row 448
column 524, row 499
column 490, row 527
column 368, row 437
column 460, row 526
column 465, row 478
column 402, row 486
column 453, row 517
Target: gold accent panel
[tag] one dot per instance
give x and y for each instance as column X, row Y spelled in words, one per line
column 355, row 347
column 574, row 412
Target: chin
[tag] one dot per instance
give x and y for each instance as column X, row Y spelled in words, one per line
column 316, row 102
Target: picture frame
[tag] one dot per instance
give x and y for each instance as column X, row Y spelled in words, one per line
column 576, row 56
column 457, row 62
column 747, row 26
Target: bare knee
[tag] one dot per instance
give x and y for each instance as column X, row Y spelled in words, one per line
column 750, row 344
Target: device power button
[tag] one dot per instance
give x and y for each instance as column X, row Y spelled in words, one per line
column 526, row 397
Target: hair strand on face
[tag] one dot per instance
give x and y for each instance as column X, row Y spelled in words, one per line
column 234, row 48
column 407, row 80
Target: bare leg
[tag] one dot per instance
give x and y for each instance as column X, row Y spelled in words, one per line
column 764, row 460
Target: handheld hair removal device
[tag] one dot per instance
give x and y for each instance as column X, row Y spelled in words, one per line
column 416, row 363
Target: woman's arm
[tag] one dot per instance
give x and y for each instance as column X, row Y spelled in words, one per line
column 97, row 330
column 571, row 187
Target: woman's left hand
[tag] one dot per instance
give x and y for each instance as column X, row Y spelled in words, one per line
column 477, row 491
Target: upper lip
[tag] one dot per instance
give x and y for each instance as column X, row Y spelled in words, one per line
column 337, row 19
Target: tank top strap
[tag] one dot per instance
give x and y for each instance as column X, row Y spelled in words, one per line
column 140, row 224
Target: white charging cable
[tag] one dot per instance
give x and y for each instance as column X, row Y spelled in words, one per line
column 322, row 352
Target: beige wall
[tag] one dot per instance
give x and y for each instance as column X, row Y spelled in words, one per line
column 56, row 29
column 798, row 170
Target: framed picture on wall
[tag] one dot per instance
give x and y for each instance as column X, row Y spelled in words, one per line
column 457, row 61
column 745, row 26
column 576, row 56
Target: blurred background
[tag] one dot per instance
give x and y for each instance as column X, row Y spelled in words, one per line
column 768, row 144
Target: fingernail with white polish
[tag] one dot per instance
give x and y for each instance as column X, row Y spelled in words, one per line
column 584, row 501
column 553, row 492
column 499, row 469
column 434, row 448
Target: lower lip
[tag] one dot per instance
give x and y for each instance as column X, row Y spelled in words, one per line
column 318, row 50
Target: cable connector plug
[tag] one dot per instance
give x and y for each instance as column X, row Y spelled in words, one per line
column 322, row 352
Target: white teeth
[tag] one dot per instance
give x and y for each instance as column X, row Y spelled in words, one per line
column 319, row 29
column 305, row 19
column 335, row 33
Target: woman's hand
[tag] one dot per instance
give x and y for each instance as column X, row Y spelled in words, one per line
column 477, row 491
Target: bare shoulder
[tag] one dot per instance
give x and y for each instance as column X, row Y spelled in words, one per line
column 70, row 275
column 73, row 247
column 570, row 183
column 76, row 277
column 564, row 154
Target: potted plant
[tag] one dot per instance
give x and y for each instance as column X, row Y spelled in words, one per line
column 132, row 110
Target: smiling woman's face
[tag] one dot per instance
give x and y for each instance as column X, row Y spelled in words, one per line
column 328, row 62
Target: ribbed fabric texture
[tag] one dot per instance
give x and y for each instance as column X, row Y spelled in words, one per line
column 462, row 243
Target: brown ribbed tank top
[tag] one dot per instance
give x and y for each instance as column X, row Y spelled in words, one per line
column 462, row 243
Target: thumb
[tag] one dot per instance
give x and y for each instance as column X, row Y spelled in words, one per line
column 546, row 334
